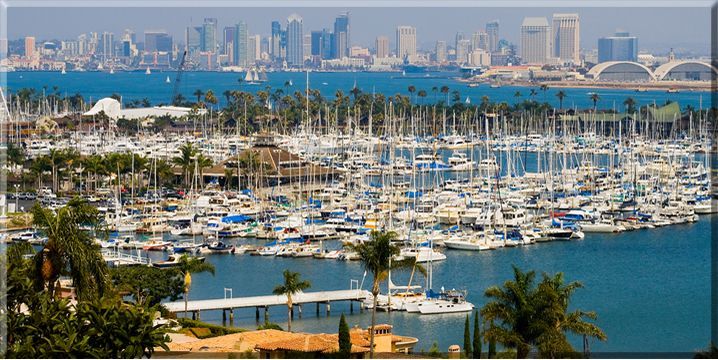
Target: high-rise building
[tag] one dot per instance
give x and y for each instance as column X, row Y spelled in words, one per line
column 480, row 40
column 307, row 47
column 620, row 47
column 406, row 42
column 566, row 38
column 480, row 57
column 441, row 51
column 327, row 44
column 228, row 42
column 126, row 47
column 129, row 33
column 342, row 41
column 209, row 35
column 463, row 49
column 492, row 31
column 458, row 37
column 157, row 40
column 295, row 40
column 193, row 39
column 255, row 48
column 275, row 40
column 29, row 46
column 108, row 44
column 316, row 48
column 535, row 40
column 382, row 47
column 240, row 50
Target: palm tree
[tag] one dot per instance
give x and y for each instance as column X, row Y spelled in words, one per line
column 560, row 95
column 544, row 88
column 435, row 90
column 412, row 89
column 594, row 97
column 422, row 95
column 630, row 104
column 375, row 255
column 532, row 94
column 292, row 285
column 523, row 315
column 445, row 90
column 517, row 95
column 69, row 250
column 198, row 93
column 191, row 265
column 185, row 160
column 210, row 98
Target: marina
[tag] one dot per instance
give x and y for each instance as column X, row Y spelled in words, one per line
column 467, row 196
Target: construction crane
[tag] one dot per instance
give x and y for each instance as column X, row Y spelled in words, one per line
column 175, row 92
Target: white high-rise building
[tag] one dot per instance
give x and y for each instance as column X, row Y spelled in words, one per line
column 295, row 40
column 566, row 37
column 255, row 48
column 480, row 40
column 441, row 51
column 463, row 48
column 406, row 42
column 535, row 40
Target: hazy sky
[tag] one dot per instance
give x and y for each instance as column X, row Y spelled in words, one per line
column 657, row 28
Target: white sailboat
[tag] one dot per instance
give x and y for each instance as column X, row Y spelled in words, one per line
column 254, row 77
column 63, row 71
column 148, row 72
column 168, row 80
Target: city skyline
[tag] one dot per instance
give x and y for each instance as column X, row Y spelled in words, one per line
column 364, row 31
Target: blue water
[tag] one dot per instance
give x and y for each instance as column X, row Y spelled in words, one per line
column 650, row 288
column 138, row 85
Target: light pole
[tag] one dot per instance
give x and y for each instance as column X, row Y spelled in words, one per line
column 17, row 188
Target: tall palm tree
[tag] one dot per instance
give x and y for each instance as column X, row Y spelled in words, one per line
column 532, row 94
column 292, row 285
column 523, row 315
column 376, row 257
column 198, row 93
column 189, row 265
column 69, row 250
column 517, row 95
column 445, row 91
column 560, row 95
column 544, row 88
column 422, row 95
column 210, row 98
column 412, row 90
column 185, row 160
column 630, row 104
column 594, row 97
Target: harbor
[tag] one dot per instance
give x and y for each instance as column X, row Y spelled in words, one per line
column 466, row 195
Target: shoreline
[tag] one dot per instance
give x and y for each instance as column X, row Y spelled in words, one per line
column 638, row 87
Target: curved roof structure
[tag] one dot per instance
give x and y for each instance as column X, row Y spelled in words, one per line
column 621, row 71
column 686, row 70
column 109, row 106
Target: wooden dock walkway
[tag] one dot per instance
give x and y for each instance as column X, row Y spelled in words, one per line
column 231, row 303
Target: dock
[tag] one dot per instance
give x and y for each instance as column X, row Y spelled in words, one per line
column 228, row 304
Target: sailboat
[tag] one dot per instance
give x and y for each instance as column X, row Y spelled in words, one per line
column 112, row 70
column 63, row 71
column 148, row 71
column 254, row 77
column 168, row 80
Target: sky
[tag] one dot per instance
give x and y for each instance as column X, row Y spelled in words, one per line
column 658, row 29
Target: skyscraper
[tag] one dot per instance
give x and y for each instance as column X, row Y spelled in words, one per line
column 327, row 44
column 255, row 48
column 209, row 35
column 108, row 44
column 535, row 40
column 307, row 47
column 275, row 39
column 228, row 42
column 342, row 41
column 458, row 37
column 441, row 51
column 193, row 39
column 29, row 46
column 382, row 47
column 463, row 49
column 566, row 38
column 157, row 40
column 480, row 40
column 620, row 47
column 492, row 31
column 406, row 42
column 240, row 49
column 316, row 48
column 295, row 40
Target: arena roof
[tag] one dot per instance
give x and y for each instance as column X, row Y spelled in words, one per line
column 620, row 67
column 664, row 71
